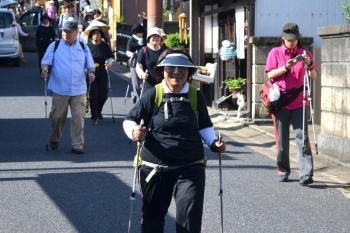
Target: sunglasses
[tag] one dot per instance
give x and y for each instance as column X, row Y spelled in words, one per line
column 171, row 69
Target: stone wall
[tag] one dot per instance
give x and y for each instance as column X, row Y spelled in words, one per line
column 261, row 47
column 335, row 91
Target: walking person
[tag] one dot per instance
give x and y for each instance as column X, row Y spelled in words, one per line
column 172, row 137
column 134, row 45
column 68, row 85
column 63, row 18
column 21, row 33
column 147, row 60
column 103, row 58
column 45, row 35
column 289, row 75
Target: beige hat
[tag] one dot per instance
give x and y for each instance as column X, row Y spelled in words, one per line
column 154, row 31
column 162, row 32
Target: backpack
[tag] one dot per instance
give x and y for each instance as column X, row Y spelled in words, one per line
column 160, row 100
column 57, row 43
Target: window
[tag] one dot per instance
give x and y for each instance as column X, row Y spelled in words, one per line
column 6, row 20
column 30, row 20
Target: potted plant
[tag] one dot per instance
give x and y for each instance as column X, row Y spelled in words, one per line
column 235, row 85
column 173, row 41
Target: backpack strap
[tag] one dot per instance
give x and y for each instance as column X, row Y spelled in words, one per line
column 57, row 43
column 159, row 100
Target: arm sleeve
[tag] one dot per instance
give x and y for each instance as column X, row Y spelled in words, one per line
column 206, row 129
column 140, row 60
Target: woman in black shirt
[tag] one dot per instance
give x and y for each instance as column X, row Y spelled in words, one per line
column 147, row 58
column 103, row 58
column 45, row 34
column 173, row 144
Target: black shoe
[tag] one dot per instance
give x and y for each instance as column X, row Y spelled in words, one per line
column 99, row 116
column 77, row 151
column 306, row 182
column 54, row 145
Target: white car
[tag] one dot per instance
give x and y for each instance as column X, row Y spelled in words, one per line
column 9, row 39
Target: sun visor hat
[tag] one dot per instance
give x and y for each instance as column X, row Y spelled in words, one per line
column 176, row 59
column 153, row 31
column 291, row 31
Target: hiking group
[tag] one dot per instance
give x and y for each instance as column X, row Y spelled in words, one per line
column 169, row 119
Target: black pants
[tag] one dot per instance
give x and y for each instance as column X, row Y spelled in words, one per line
column 41, row 53
column 187, row 185
column 98, row 94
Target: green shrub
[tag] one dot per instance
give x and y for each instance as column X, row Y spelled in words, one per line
column 235, row 83
column 173, row 41
column 346, row 8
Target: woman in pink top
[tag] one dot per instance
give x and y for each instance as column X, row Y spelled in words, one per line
column 289, row 74
column 52, row 12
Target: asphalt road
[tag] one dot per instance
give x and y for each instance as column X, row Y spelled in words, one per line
column 57, row 191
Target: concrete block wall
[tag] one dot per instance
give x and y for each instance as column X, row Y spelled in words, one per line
column 335, row 91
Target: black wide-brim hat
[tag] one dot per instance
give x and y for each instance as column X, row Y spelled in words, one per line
column 43, row 16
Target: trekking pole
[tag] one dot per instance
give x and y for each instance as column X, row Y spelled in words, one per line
column 132, row 197
column 221, row 191
column 45, row 84
column 127, row 90
column 143, row 85
column 110, row 94
column 307, row 88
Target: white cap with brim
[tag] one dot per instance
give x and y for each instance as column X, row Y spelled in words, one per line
column 176, row 59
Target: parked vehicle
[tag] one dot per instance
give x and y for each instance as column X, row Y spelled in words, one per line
column 29, row 22
column 9, row 39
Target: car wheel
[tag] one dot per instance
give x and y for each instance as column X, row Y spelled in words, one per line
column 16, row 62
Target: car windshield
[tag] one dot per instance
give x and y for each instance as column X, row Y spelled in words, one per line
column 5, row 20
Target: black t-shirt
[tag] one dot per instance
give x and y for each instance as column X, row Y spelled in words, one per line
column 133, row 46
column 100, row 53
column 176, row 141
column 149, row 62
